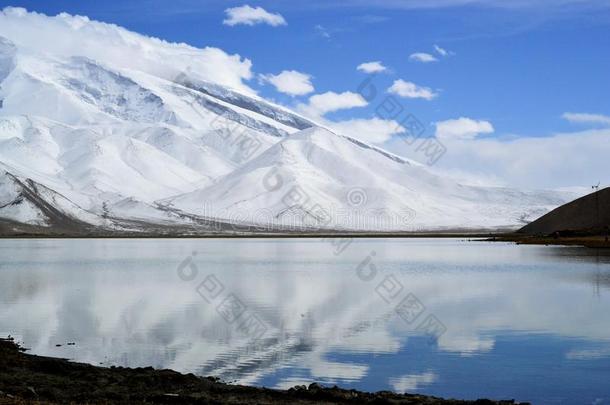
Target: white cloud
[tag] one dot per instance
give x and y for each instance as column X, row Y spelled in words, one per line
column 374, row 130
column 462, row 128
column 586, row 118
column 372, row 67
column 422, row 57
column 65, row 35
column 323, row 32
column 247, row 15
column 411, row 90
column 321, row 104
column 577, row 159
column 290, row 82
column 442, row 51
column 411, row 382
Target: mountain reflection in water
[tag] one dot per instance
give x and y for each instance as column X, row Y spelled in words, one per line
column 523, row 322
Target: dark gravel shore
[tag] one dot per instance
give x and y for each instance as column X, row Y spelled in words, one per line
column 31, row 379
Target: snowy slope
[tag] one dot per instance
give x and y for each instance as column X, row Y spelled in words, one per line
column 107, row 126
column 316, row 178
column 25, row 201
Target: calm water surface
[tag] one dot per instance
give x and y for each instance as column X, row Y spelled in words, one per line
column 443, row 317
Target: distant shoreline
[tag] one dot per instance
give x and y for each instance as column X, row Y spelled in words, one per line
column 584, row 240
column 258, row 235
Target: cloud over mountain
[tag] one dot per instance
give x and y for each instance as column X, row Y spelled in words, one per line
column 290, row 82
column 67, row 35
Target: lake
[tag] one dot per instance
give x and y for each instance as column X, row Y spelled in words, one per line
column 445, row 317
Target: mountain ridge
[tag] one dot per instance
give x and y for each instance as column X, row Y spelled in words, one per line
column 139, row 146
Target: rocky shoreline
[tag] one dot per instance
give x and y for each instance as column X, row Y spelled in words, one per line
column 31, row 379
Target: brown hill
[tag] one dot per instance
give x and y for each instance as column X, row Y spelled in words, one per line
column 586, row 215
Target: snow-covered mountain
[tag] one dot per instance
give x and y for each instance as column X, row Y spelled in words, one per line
column 102, row 128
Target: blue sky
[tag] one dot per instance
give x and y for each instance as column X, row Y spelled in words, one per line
column 517, row 65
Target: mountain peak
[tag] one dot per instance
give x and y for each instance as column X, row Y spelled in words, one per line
column 135, row 130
